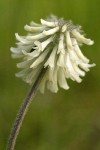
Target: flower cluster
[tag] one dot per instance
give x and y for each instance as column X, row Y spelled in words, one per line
column 54, row 44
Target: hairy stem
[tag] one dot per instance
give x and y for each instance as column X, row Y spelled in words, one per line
column 22, row 112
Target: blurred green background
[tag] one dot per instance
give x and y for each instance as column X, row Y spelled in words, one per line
column 68, row 120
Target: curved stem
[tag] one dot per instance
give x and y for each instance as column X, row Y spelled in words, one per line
column 22, row 112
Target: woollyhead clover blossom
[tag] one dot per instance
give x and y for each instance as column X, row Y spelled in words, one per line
column 54, row 44
column 51, row 55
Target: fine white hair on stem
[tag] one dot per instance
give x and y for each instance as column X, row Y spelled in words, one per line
column 53, row 44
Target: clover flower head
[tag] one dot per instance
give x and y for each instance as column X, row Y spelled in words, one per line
column 54, row 44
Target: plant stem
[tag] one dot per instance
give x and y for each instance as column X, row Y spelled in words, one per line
column 22, row 112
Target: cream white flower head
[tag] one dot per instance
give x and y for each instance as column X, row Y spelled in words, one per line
column 54, row 44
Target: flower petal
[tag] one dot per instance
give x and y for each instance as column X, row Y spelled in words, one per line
column 22, row 73
column 85, row 66
column 61, row 60
column 35, row 37
column 31, row 77
column 52, row 85
column 61, row 46
column 32, row 23
column 33, row 54
column 68, row 41
column 78, row 51
column 34, row 29
column 78, row 70
column 51, row 60
column 40, row 59
column 49, row 24
column 15, row 50
column 73, row 74
column 42, row 45
column 64, row 28
column 62, row 80
column 51, row 31
column 81, row 38
column 17, row 56
column 24, row 64
column 22, row 39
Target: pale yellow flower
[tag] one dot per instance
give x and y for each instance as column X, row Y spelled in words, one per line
column 54, row 44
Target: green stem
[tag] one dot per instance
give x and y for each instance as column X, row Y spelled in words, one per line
column 22, row 112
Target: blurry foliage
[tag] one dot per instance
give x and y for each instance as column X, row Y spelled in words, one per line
column 68, row 120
